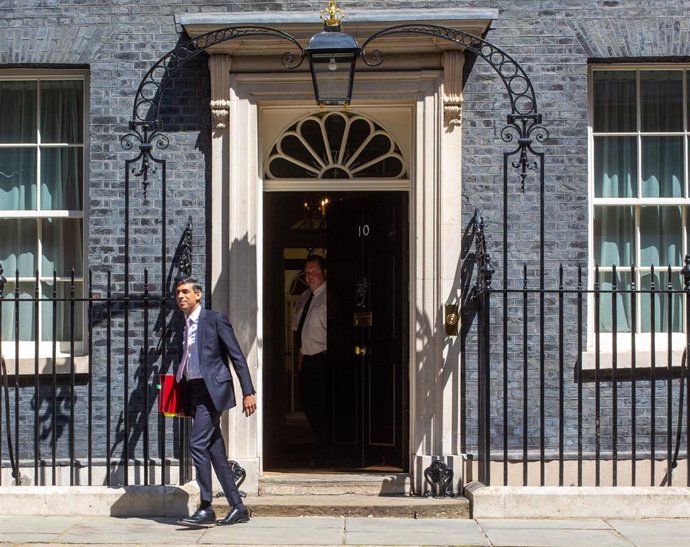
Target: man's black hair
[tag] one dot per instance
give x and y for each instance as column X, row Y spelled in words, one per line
column 317, row 258
column 196, row 286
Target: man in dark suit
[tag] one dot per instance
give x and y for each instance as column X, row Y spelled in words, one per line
column 208, row 342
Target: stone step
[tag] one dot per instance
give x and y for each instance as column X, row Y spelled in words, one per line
column 348, row 494
column 321, row 484
column 352, row 505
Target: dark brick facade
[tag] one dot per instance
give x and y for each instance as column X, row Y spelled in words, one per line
column 119, row 40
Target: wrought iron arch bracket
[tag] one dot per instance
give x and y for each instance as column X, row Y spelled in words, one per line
column 145, row 126
column 518, row 85
column 149, row 94
column 524, row 120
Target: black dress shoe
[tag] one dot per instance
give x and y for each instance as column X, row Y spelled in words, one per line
column 236, row 516
column 202, row 517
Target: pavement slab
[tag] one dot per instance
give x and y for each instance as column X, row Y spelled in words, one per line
column 552, row 533
column 144, row 531
column 326, row 531
column 655, row 532
column 298, row 522
column 255, row 532
column 543, row 524
column 363, row 531
column 412, row 538
column 49, row 525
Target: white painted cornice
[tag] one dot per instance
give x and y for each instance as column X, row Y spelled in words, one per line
column 359, row 24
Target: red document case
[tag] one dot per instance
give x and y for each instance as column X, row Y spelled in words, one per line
column 171, row 398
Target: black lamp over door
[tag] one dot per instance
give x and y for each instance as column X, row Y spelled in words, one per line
column 332, row 57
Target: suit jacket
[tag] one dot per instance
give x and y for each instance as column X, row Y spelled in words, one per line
column 217, row 345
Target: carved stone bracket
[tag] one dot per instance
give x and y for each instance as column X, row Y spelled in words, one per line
column 453, row 62
column 219, row 67
column 220, row 113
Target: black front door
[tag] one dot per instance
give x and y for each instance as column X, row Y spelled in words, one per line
column 367, row 326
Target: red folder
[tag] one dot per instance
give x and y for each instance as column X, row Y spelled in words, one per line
column 171, row 397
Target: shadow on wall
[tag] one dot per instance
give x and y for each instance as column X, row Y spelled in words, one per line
column 239, row 282
column 451, row 368
column 165, row 340
column 184, row 118
column 467, row 265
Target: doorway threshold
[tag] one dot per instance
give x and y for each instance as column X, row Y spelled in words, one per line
column 328, row 482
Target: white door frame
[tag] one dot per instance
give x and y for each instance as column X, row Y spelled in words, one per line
column 435, row 234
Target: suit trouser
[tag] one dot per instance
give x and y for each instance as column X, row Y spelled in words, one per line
column 316, row 395
column 207, row 446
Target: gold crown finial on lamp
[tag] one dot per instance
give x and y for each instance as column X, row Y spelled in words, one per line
column 332, row 15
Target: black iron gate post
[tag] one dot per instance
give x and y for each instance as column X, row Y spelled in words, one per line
column 685, row 272
column 483, row 296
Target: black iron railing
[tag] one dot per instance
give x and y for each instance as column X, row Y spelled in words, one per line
column 83, row 403
column 569, row 394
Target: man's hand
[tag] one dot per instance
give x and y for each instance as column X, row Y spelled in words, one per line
column 249, row 405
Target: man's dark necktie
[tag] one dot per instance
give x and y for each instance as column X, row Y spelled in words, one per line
column 302, row 317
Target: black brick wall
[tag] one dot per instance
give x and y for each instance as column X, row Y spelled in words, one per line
column 118, row 40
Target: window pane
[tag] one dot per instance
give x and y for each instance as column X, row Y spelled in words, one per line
column 661, row 302
column 62, row 246
column 623, row 319
column 661, row 100
column 17, row 179
column 662, row 167
column 614, row 101
column 22, row 308
column 63, row 311
column 18, row 107
column 62, row 111
column 18, row 247
column 661, row 241
column 615, row 167
column 614, row 236
column 61, row 176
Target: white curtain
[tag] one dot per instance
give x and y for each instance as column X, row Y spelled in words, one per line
column 616, row 176
column 23, row 138
column 662, row 167
column 615, row 167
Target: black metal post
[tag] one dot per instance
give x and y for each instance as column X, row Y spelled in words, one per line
column 633, row 372
column 685, row 272
column 486, row 272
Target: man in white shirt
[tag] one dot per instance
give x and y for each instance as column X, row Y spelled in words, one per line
column 315, row 372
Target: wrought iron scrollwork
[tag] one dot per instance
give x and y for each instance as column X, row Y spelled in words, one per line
column 238, row 475
column 145, row 125
column 184, row 265
column 147, row 135
column 439, row 478
column 482, row 257
column 481, row 261
column 518, row 85
column 526, row 129
column 524, row 119
column 149, row 93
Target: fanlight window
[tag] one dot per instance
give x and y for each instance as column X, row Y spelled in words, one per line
column 335, row 145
